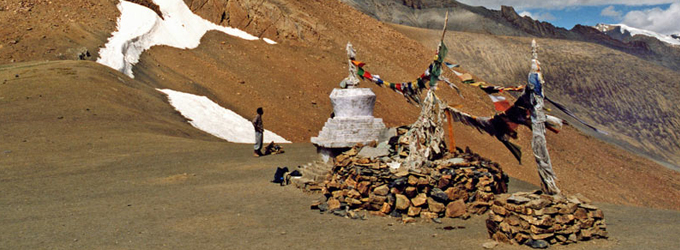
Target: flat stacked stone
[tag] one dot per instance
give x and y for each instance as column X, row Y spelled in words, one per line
column 538, row 219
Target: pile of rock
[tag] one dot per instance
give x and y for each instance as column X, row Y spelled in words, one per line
column 456, row 185
column 538, row 219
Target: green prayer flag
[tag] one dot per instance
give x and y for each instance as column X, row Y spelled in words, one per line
column 437, row 64
column 360, row 72
column 443, row 51
column 435, row 73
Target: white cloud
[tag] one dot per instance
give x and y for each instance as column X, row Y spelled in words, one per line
column 526, row 13
column 611, row 12
column 555, row 4
column 542, row 16
column 656, row 19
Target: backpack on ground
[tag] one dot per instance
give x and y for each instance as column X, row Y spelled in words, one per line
column 278, row 175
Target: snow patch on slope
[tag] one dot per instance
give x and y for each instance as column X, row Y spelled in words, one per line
column 210, row 117
column 140, row 28
column 635, row 31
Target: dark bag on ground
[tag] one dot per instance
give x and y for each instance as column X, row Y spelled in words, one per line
column 295, row 173
column 278, row 176
column 273, row 149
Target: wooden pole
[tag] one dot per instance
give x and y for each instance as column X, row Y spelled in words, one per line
column 449, row 117
column 446, row 23
column 452, row 139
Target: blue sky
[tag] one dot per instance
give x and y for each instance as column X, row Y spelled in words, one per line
column 662, row 16
column 586, row 15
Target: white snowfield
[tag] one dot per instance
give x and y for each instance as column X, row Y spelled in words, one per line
column 636, row 31
column 140, row 28
column 210, row 117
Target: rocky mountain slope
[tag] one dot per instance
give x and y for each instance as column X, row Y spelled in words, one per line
column 291, row 80
column 633, row 100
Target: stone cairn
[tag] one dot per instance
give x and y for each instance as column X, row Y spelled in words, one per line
column 538, row 219
column 456, row 185
column 418, row 177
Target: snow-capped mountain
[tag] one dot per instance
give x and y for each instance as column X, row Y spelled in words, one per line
column 622, row 31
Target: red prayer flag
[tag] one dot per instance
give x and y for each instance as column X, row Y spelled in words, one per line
column 500, row 103
column 368, row 75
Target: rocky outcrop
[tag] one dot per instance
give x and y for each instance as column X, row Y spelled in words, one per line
column 531, row 26
column 241, row 14
column 415, row 4
column 590, row 34
column 149, row 4
column 270, row 19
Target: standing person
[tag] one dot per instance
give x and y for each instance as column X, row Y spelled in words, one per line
column 259, row 132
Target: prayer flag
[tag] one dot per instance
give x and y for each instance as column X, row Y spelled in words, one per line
column 358, row 63
column 500, row 103
column 490, row 89
column 443, row 51
column 451, row 66
column 535, row 82
column 367, row 75
column 376, row 79
column 421, row 83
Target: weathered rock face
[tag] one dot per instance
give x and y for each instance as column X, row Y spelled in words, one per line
column 267, row 19
column 416, row 4
column 526, row 24
column 241, row 14
column 588, row 33
column 149, row 4
column 537, row 219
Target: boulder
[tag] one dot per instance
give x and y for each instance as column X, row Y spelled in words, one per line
column 419, row 200
column 402, row 202
column 455, row 209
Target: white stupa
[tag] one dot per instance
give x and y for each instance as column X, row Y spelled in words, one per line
column 353, row 121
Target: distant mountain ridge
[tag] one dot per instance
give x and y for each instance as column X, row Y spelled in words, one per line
column 626, row 33
column 507, row 22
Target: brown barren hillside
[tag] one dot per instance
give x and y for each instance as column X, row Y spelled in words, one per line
column 36, row 30
column 293, row 79
column 93, row 159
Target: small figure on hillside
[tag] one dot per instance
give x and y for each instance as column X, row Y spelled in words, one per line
column 259, row 132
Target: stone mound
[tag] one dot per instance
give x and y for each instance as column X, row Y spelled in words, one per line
column 456, row 185
column 537, row 219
